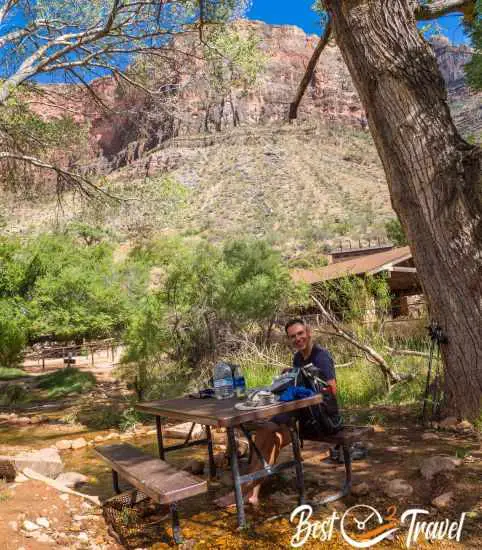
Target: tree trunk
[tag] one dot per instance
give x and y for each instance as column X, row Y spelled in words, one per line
column 432, row 173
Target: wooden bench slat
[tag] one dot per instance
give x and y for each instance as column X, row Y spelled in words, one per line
column 159, row 480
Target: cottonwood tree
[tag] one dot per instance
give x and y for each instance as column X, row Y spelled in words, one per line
column 79, row 41
column 432, row 172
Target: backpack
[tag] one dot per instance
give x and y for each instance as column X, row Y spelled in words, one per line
column 321, row 419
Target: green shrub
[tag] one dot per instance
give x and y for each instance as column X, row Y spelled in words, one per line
column 66, row 382
column 11, row 373
column 13, row 333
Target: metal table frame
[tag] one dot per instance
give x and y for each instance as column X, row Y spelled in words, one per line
column 238, row 479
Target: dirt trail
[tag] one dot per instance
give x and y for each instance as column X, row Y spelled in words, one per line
column 396, row 451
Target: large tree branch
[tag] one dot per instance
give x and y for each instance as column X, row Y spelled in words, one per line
column 424, row 11
column 436, row 8
column 76, row 181
column 310, row 69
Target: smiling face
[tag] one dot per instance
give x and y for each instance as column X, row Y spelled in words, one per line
column 300, row 338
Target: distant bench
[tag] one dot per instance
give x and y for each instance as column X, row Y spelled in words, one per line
column 157, row 479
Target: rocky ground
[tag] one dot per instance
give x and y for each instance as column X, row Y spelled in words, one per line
column 438, row 469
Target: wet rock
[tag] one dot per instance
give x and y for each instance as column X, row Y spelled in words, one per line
column 180, row 431
column 378, row 429
column 64, row 444
column 195, row 466
column 398, row 488
column 29, row 526
column 72, row 479
column 427, row 436
column 443, row 501
column 464, row 426
column 112, row 435
column 46, row 462
column 437, row 464
column 448, row 423
column 43, row 522
column 99, row 438
column 151, row 432
column 360, row 490
column 79, row 443
column 125, row 436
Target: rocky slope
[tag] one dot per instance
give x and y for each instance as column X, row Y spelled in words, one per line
column 239, row 168
column 185, row 103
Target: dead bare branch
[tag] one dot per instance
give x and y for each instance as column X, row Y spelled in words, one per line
column 310, row 69
column 372, row 355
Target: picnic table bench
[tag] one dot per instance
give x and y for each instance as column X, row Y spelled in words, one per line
column 157, row 479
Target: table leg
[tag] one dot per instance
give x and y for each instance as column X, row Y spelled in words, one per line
column 300, row 481
column 160, row 443
column 233, row 456
column 212, row 464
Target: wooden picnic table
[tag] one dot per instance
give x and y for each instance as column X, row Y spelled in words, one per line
column 223, row 414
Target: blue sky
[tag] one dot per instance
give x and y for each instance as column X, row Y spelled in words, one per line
column 299, row 12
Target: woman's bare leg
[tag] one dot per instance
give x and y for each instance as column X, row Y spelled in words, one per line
column 269, row 440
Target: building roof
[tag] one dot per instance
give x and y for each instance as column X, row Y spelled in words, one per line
column 368, row 265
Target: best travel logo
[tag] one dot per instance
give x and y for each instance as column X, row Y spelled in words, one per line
column 363, row 526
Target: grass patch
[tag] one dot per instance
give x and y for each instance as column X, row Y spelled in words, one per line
column 66, row 382
column 11, row 373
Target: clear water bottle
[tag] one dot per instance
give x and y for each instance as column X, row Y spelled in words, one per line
column 239, row 381
column 223, row 381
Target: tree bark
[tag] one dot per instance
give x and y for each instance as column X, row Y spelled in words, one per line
column 432, row 173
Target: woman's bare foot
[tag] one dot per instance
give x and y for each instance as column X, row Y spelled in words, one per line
column 229, row 500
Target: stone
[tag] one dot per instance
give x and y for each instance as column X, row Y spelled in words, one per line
column 436, row 464
column 13, row 525
column 79, row 443
column 83, row 537
column 448, row 423
column 43, row 522
column 180, row 431
column 43, row 537
column 29, row 526
column 360, row 490
column 22, row 421
column 113, row 435
column 427, row 436
column 151, row 432
column 64, row 497
column 398, row 488
column 20, row 478
column 45, row 461
column 464, row 426
column 99, row 438
column 195, row 466
column 64, row 444
column 125, row 436
column 72, row 479
column 443, row 501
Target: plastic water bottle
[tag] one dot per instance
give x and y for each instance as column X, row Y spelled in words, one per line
column 223, row 381
column 239, row 382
